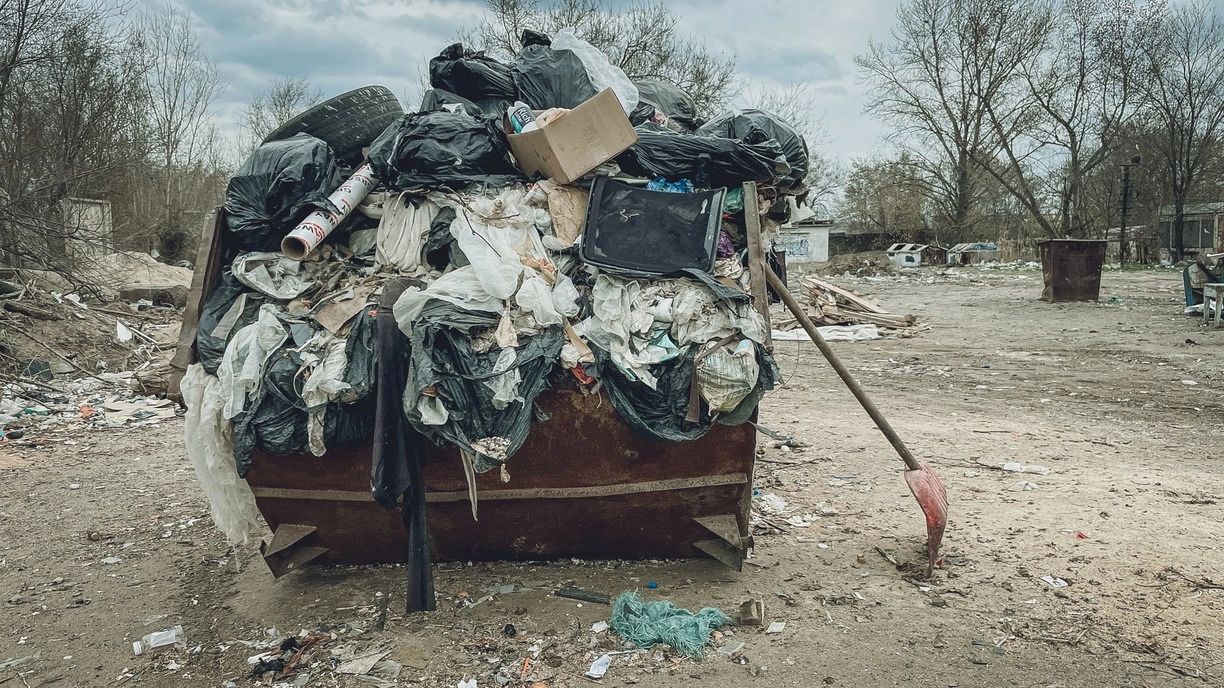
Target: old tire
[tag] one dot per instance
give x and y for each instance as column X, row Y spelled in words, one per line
column 348, row 122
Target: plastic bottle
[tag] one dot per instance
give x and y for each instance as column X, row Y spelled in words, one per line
column 520, row 117
column 159, row 640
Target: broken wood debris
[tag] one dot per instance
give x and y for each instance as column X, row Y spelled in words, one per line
column 829, row 304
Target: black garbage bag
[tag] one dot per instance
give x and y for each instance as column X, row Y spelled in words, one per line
column 660, row 413
column 274, row 421
column 660, row 152
column 745, row 124
column 211, row 343
column 548, row 78
column 475, row 76
column 442, row 358
column 277, row 187
column 438, row 243
column 442, row 148
column 439, row 99
column 669, row 99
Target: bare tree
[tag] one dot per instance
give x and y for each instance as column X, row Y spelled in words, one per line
column 183, row 84
column 284, row 98
column 1060, row 117
column 642, row 39
column 1185, row 99
column 71, row 119
column 947, row 62
column 885, row 196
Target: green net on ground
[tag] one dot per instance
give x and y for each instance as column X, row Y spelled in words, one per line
column 650, row 623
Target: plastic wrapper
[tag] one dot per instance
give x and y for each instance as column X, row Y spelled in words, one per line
column 278, row 186
column 668, row 98
column 727, row 376
column 272, row 274
column 474, row 76
column 745, row 125
column 728, row 162
column 443, row 148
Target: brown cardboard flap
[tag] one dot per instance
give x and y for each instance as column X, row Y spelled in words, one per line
column 577, row 142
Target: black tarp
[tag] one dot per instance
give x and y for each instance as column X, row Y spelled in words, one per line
column 274, row 421
column 278, row 186
column 210, row 349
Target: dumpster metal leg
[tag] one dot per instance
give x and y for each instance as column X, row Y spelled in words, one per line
column 290, row 548
column 730, row 546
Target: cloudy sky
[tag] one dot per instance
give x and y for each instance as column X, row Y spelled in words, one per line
column 342, row 44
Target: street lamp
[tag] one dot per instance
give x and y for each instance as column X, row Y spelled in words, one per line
column 1126, row 190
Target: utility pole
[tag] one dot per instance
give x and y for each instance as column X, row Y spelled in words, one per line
column 1126, row 192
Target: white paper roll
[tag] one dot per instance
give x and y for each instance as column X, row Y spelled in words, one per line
column 311, row 232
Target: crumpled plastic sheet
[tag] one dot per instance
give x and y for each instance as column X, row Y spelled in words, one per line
column 324, row 362
column 461, row 287
column 661, row 413
column 242, row 365
column 402, row 233
column 727, row 376
column 627, row 314
column 444, row 365
column 210, row 448
column 275, row 419
column 272, row 274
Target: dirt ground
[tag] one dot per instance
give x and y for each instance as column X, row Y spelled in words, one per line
column 1118, row 399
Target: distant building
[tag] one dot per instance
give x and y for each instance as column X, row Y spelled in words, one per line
column 971, row 253
column 805, row 241
column 915, row 255
column 1203, row 229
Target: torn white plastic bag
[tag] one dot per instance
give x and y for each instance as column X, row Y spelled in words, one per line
column 210, row 448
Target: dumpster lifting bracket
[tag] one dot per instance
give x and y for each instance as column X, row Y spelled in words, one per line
column 730, row 546
column 289, row 548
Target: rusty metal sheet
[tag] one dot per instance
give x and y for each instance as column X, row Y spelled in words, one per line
column 583, row 485
column 1071, row 269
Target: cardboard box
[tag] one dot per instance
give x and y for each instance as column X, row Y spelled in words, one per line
column 577, row 142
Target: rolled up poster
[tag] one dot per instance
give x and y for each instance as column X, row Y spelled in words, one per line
column 314, row 229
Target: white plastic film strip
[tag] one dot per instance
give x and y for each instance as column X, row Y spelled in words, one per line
column 311, row 232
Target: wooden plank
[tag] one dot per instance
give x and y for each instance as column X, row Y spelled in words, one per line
column 756, row 257
column 529, row 493
column 207, row 270
column 853, row 298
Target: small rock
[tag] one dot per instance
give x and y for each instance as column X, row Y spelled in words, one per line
column 938, row 601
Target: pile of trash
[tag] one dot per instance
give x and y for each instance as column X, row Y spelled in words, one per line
column 536, row 225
